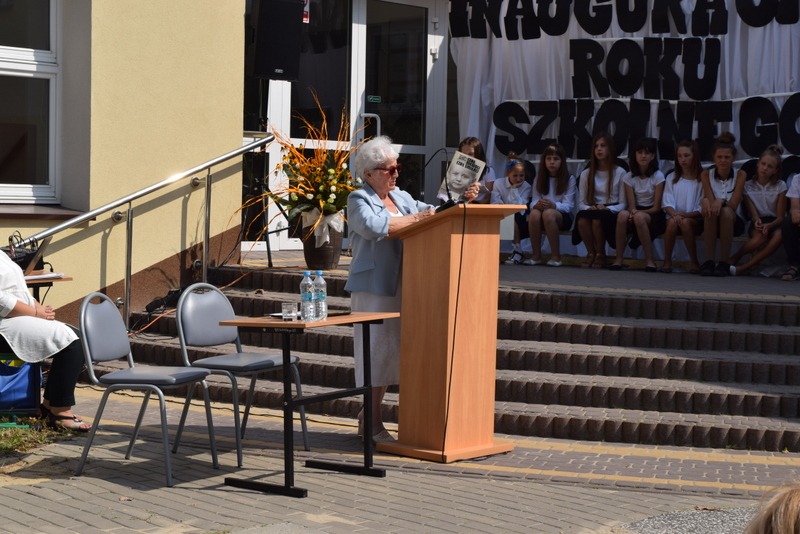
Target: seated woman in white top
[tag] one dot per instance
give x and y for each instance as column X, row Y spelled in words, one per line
column 683, row 193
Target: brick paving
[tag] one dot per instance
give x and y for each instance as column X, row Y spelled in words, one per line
column 543, row 485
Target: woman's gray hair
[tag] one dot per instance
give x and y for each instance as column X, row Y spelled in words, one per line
column 373, row 154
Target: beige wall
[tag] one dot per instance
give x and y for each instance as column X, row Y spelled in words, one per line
column 148, row 89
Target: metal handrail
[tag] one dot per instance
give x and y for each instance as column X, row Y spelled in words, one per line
column 66, row 225
column 118, row 216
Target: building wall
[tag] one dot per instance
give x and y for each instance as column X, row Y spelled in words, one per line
column 148, row 89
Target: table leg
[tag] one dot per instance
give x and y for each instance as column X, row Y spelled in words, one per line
column 288, row 488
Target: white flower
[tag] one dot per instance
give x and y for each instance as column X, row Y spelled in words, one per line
column 310, row 196
column 333, row 189
column 358, row 181
column 344, row 165
column 331, row 198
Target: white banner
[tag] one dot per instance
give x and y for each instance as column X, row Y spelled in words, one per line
column 531, row 72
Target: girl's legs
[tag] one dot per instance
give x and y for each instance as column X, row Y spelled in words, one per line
column 621, row 232
column 771, row 246
column 689, row 229
column 642, row 223
column 599, row 241
column 710, row 231
column 552, row 226
column 757, row 239
column 669, row 243
column 535, row 230
column 727, row 219
column 586, row 231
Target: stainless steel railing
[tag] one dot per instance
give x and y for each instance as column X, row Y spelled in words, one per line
column 118, row 215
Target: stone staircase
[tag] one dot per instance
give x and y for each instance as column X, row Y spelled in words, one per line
column 574, row 364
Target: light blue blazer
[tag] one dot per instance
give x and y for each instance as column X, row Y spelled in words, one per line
column 377, row 262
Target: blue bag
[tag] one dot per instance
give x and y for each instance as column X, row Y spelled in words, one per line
column 19, row 386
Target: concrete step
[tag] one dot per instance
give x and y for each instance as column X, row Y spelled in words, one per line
column 647, row 394
column 646, row 333
column 567, row 301
column 706, row 366
column 650, row 428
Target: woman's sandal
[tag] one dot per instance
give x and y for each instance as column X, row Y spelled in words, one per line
column 77, row 424
column 588, row 261
column 791, row 274
column 599, row 262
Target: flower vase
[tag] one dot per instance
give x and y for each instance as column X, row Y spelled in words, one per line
column 322, row 246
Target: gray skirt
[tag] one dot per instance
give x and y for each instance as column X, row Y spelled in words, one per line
column 384, row 339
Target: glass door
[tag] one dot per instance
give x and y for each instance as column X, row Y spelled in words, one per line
column 399, row 72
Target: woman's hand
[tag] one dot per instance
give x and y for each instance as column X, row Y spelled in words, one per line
column 44, row 312
column 472, row 192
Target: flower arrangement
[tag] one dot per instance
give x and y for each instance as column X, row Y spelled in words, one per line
column 319, row 179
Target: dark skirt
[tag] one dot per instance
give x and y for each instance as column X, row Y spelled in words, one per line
column 658, row 223
column 608, row 220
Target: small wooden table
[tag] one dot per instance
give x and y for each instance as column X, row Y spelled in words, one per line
column 37, row 284
column 287, row 329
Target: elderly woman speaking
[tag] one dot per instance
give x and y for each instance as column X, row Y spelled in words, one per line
column 374, row 212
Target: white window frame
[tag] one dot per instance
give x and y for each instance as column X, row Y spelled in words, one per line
column 40, row 64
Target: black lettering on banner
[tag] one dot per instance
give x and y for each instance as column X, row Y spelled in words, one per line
column 790, row 121
column 663, row 11
column 709, row 115
column 788, row 12
column 524, row 14
column 459, row 18
column 548, row 111
column 574, row 118
column 758, row 16
column 660, row 78
column 698, row 88
column 631, row 20
column 613, row 117
column 710, row 17
column 506, row 116
column 595, row 21
column 639, row 118
column 673, row 128
column 625, row 53
column 559, row 22
column 758, row 125
column 587, row 55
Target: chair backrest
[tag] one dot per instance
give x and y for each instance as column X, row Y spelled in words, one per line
column 103, row 334
column 200, row 309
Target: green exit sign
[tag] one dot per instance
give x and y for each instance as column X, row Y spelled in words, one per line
column 374, row 99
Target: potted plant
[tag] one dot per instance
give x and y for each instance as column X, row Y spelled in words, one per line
column 317, row 184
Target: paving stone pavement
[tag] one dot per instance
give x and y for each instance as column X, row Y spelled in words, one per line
column 542, row 486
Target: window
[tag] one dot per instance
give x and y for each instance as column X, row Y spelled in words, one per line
column 28, row 74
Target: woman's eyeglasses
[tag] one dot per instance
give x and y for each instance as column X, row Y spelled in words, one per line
column 391, row 170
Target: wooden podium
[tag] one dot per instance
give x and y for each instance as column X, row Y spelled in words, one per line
column 449, row 335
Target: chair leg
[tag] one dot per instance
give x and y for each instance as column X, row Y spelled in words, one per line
column 248, row 402
column 92, row 432
column 299, row 388
column 210, row 422
column 137, row 425
column 165, row 436
column 184, row 413
column 237, row 425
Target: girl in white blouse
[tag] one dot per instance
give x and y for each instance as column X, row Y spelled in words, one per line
column 601, row 198
column 765, row 200
column 683, row 193
column 721, row 208
column 552, row 200
column 644, row 187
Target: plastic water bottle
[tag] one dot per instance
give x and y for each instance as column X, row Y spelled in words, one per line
column 307, row 304
column 321, row 294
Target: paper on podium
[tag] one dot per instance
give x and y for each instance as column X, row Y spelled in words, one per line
column 43, row 276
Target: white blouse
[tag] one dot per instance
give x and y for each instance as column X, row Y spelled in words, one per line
column 644, row 189
column 764, row 197
column 564, row 202
column 31, row 338
column 684, row 196
column 613, row 198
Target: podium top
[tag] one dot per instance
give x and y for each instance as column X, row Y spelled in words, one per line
column 496, row 211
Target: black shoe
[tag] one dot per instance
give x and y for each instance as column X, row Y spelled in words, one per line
column 723, row 269
column 707, row 269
